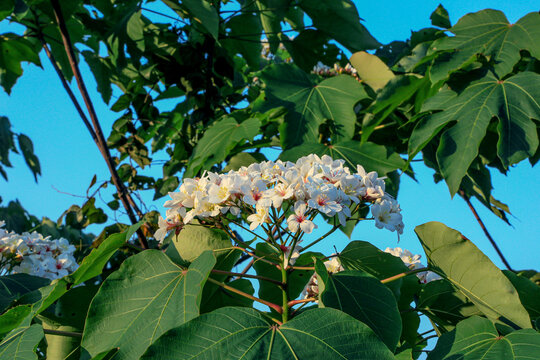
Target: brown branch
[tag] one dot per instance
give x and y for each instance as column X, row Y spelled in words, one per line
column 403, row 274
column 276, row 307
column 294, row 302
column 241, row 275
column 488, row 235
column 123, row 194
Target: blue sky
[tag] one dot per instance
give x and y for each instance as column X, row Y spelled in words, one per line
column 39, row 108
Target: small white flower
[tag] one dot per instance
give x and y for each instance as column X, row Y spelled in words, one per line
column 259, row 218
column 299, row 220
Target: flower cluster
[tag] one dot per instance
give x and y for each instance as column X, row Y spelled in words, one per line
column 31, row 253
column 413, row 262
column 327, row 71
column 270, row 192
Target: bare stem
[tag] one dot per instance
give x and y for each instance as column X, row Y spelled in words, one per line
column 483, row 226
column 247, row 276
column 334, row 228
column 300, row 301
column 276, row 307
column 399, row 276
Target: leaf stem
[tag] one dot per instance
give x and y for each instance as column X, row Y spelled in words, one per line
column 276, row 307
column 402, row 275
column 240, row 275
column 321, row 238
column 300, row 301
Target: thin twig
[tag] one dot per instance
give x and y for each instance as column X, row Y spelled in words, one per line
column 399, row 276
column 488, row 235
column 300, row 301
column 276, row 307
column 247, row 276
column 123, row 194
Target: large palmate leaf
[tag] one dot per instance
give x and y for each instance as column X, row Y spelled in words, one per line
column 488, row 32
column 244, row 38
column 371, row 156
column 147, row 296
column 310, row 104
column 513, row 101
column 21, row 342
column 240, row 333
column 477, row 338
column 218, row 140
column 339, row 19
column 365, row 298
column 469, row 270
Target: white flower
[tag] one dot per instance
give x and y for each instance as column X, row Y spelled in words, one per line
column 299, row 220
column 324, row 200
column 260, row 217
column 386, row 216
column 428, row 276
column 410, row 260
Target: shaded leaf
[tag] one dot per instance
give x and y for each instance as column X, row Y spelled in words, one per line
column 440, row 17
column 365, row 298
column 27, row 149
column 15, row 285
column 339, row 19
column 528, row 291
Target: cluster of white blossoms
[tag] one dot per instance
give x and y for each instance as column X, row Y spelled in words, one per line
column 327, row 71
column 413, row 262
column 269, row 192
column 32, row 254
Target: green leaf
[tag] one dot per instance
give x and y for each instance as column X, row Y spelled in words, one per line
column 363, row 256
column 440, row 17
column 243, row 159
column 12, row 318
column 309, row 47
column 444, row 304
column 93, row 264
column 271, row 13
column 339, row 20
column 147, row 296
column 165, row 185
column 468, row 269
column 135, row 29
column 477, row 338
column 310, row 104
column 27, row 149
column 201, row 11
column 193, row 240
column 529, row 293
column 13, row 51
column 365, row 298
column 102, row 73
column 316, row 333
column 488, row 32
column 513, row 101
column 21, row 343
column 244, row 38
column 6, row 8
column 222, row 298
column 372, row 70
column 371, row 156
column 218, row 140
column 15, row 285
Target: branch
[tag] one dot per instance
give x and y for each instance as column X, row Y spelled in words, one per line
column 240, row 275
column 488, row 235
column 276, row 307
column 123, row 194
column 399, row 276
